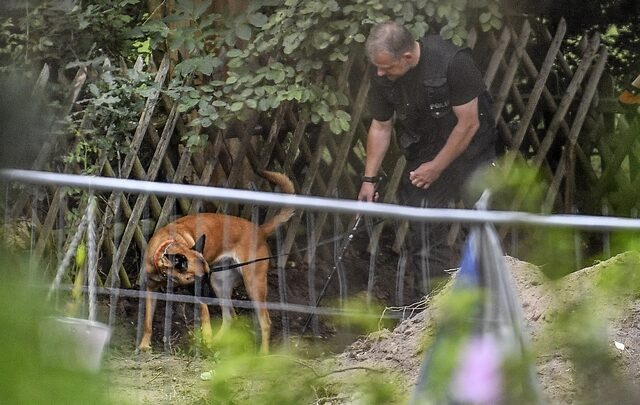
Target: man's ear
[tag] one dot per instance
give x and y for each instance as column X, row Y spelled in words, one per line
column 199, row 245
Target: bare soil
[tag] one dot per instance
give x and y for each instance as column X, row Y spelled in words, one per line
column 177, row 378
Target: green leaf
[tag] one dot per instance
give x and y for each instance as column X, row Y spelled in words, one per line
column 205, row 108
column 442, row 10
column 207, row 64
column 183, row 107
column 321, row 40
column 446, row 32
column 344, row 125
column 278, row 76
column 200, row 8
column 257, row 19
column 234, row 53
column 237, row 106
column 333, row 6
column 408, row 12
column 460, row 5
column 264, row 104
column 430, row 10
column 251, row 103
column 484, row 18
column 175, row 41
column 496, row 23
column 243, row 31
column 334, row 126
column 291, row 42
column 95, row 92
column 186, row 67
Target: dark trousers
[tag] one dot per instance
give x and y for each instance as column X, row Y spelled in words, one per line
column 428, row 247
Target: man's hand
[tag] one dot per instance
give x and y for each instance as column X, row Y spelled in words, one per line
column 425, row 174
column 457, row 143
column 368, row 192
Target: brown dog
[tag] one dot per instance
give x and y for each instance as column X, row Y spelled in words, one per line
column 184, row 249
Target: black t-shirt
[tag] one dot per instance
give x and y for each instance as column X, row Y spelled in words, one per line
column 464, row 79
column 420, row 130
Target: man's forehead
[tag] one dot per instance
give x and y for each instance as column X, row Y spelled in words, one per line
column 383, row 59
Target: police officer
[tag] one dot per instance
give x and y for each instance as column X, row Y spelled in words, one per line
column 443, row 124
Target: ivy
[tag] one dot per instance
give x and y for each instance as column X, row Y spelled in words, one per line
column 58, row 33
column 230, row 67
column 277, row 52
column 109, row 117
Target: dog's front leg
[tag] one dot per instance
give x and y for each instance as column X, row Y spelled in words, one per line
column 150, row 307
column 205, row 324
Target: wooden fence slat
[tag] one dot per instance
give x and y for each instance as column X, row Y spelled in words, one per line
column 268, row 148
column 568, row 153
column 298, row 132
column 114, row 199
column 138, row 172
column 42, row 80
column 141, row 200
column 561, row 60
column 389, row 196
column 509, row 75
column 566, row 100
column 538, row 87
column 612, row 167
column 239, row 158
column 320, row 184
column 540, row 158
column 181, row 170
column 634, row 176
column 314, row 164
column 345, row 146
column 497, row 57
column 548, row 98
column 44, row 155
column 113, row 203
column 472, row 38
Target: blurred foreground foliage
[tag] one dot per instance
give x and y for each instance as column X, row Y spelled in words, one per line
column 25, row 379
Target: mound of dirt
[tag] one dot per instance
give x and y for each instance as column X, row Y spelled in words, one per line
column 177, row 378
column 400, row 352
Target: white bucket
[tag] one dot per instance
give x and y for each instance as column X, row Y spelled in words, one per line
column 73, row 343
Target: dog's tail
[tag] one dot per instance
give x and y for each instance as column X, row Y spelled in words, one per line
column 285, row 213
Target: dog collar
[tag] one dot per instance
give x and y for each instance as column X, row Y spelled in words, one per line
column 161, row 250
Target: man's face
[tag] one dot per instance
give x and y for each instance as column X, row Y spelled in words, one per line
column 392, row 68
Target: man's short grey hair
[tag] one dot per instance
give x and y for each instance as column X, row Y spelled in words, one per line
column 389, row 37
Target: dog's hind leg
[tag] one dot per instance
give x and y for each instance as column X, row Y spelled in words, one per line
column 222, row 284
column 150, row 307
column 255, row 281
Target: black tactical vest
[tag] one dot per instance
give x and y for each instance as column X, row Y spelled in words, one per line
column 425, row 121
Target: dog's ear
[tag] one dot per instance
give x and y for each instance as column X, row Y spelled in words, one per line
column 178, row 261
column 199, row 245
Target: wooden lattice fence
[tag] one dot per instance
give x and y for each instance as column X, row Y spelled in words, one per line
column 544, row 107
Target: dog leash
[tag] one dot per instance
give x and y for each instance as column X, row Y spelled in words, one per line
column 216, row 269
column 348, row 240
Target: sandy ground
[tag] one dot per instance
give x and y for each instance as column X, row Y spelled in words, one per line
column 177, row 378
